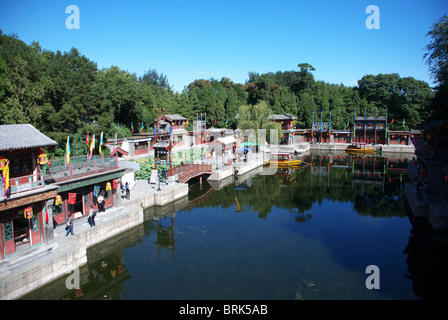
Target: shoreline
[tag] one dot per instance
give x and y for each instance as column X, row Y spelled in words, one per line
column 34, row 267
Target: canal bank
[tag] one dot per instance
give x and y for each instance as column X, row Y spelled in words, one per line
column 30, row 269
column 392, row 148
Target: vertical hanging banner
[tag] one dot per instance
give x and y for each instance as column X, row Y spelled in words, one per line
column 67, row 150
column 71, row 198
column 96, row 191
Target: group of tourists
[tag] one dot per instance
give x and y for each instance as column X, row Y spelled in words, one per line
column 92, row 214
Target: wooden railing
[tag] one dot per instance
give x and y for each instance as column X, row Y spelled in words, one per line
column 80, row 166
column 59, row 170
column 188, row 171
column 23, row 183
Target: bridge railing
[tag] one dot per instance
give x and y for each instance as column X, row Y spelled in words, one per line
column 188, row 171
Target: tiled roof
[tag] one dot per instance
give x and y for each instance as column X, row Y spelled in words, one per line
column 22, row 136
column 278, row 117
column 172, row 117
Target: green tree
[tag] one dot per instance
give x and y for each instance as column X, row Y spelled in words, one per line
column 406, row 98
column 437, row 60
column 257, row 117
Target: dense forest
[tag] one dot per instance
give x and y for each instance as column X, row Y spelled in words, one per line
column 65, row 94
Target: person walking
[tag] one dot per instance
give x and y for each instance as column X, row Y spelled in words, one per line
column 91, row 218
column 128, row 190
column 69, row 226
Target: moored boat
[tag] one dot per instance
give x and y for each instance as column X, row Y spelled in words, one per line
column 282, row 159
column 300, row 151
column 359, row 148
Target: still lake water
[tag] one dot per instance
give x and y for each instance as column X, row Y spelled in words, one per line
column 304, row 233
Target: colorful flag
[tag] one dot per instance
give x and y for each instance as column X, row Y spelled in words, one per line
column 141, row 129
column 132, row 127
column 404, row 120
column 101, row 142
column 87, row 143
column 92, row 146
column 67, row 150
column 5, row 175
column 119, row 130
column 392, row 120
column 115, row 142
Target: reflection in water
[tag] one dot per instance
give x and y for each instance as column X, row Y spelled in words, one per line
column 303, row 233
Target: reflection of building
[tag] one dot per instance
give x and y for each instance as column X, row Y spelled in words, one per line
column 165, row 236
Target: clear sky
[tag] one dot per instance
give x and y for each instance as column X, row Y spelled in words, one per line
column 188, row 40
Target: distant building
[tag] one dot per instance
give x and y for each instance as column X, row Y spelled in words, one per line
column 171, row 123
column 287, row 122
column 370, row 130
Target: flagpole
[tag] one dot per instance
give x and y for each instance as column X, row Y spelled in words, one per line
column 365, row 123
column 385, row 133
column 312, row 129
column 376, row 109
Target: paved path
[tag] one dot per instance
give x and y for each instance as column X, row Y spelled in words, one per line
column 29, row 257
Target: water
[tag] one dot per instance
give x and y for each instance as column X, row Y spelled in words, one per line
column 307, row 233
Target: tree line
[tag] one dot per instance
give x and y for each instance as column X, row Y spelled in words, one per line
column 65, row 93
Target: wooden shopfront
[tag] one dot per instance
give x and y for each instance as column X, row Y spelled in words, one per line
column 77, row 197
column 21, row 223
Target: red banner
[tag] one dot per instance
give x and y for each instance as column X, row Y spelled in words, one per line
column 72, row 198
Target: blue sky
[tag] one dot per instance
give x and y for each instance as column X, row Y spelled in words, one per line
column 188, row 40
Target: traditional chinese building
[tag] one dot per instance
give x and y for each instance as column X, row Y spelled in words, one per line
column 428, row 195
column 287, row 122
column 23, row 191
column 320, row 130
column 371, row 130
column 80, row 182
column 171, row 124
column 36, row 194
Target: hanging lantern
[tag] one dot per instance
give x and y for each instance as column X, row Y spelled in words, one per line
column 28, row 213
column 42, row 158
column 3, row 163
column 108, row 186
column 58, row 200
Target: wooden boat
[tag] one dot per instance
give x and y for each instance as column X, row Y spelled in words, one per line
column 300, row 151
column 359, row 148
column 282, row 159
